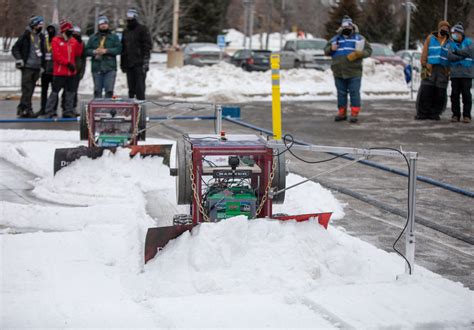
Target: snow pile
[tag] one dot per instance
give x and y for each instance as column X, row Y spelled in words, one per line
column 86, row 260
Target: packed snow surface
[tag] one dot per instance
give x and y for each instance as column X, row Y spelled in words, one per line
column 80, row 264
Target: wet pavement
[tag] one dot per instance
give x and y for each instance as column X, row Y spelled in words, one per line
column 376, row 201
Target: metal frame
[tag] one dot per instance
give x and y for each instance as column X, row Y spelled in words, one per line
column 412, row 158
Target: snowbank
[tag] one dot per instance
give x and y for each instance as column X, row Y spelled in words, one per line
column 82, row 265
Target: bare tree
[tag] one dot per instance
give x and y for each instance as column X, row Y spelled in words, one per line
column 157, row 15
column 14, row 16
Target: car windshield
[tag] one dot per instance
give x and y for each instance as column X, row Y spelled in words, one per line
column 311, row 44
column 379, row 50
column 204, row 46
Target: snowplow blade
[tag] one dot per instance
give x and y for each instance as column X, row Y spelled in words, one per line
column 157, row 238
column 65, row 156
column 323, row 218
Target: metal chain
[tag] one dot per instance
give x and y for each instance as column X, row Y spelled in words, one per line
column 267, row 189
column 135, row 129
column 89, row 129
column 195, row 193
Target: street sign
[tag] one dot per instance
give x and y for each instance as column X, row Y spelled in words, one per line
column 221, row 40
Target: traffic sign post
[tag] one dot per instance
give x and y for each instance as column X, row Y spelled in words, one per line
column 221, row 44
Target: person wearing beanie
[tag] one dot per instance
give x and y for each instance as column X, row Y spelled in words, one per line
column 462, row 73
column 65, row 51
column 136, row 52
column 28, row 52
column 432, row 97
column 103, row 47
column 348, row 48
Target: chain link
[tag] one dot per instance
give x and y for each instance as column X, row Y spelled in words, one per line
column 195, row 193
column 267, row 189
column 89, row 129
column 135, row 129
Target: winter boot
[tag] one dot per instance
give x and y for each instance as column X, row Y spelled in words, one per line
column 69, row 111
column 354, row 114
column 50, row 110
column 341, row 114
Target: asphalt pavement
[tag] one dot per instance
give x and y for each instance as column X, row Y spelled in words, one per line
column 375, row 200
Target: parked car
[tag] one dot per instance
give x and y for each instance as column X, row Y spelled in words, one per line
column 201, row 54
column 305, row 53
column 383, row 54
column 252, row 60
column 410, row 56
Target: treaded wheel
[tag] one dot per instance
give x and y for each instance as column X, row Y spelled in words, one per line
column 279, row 179
column 83, row 129
column 183, row 180
column 142, row 123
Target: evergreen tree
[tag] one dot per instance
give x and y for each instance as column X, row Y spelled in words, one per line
column 428, row 13
column 344, row 7
column 379, row 25
column 204, row 19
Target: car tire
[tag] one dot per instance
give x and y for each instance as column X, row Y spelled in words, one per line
column 297, row 64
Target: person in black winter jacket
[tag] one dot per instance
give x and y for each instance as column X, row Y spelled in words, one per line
column 136, row 51
column 29, row 52
column 47, row 75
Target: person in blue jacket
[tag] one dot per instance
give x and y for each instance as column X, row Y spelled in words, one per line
column 462, row 73
column 435, row 68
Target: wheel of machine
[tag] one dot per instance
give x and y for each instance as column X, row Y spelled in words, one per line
column 142, row 123
column 183, row 180
column 279, row 179
column 83, row 129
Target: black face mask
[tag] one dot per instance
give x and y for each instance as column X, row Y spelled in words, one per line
column 51, row 33
column 444, row 33
column 347, row 32
column 69, row 33
column 38, row 29
column 132, row 23
column 104, row 31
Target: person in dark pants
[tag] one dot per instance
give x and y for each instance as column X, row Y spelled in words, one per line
column 65, row 51
column 103, row 47
column 29, row 52
column 136, row 51
column 462, row 73
column 47, row 75
column 432, row 97
column 348, row 48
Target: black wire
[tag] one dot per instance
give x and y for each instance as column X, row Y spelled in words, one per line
column 408, row 205
column 292, row 142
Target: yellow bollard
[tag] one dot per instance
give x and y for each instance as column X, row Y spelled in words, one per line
column 276, row 101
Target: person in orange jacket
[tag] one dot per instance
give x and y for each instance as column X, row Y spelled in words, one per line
column 65, row 50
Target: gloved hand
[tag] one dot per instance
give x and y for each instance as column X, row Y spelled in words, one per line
column 355, row 55
column 71, row 67
column 146, row 66
column 425, row 72
column 19, row 64
column 123, row 68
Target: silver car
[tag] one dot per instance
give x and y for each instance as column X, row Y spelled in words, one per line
column 201, row 54
column 305, row 53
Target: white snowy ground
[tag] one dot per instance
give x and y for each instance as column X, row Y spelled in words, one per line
column 81, row 266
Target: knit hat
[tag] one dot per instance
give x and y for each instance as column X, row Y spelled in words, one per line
column 65, row 25
column 36, row 20
column 102, row 19
column 443, row 23
column 458, row 28
column 346, row 21
column 132, row 13
column 76, row 29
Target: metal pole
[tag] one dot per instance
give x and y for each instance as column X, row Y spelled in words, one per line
column 407, row 32
column 412, row 77
column 175, row 23
column 97, row 8
column 218, row 113
column 246, row 16
column 251, row 24
column 410, row 233
column 445, row 10
column 282, row 23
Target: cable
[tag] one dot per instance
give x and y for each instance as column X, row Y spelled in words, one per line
column 408, row 205
column 292, row 142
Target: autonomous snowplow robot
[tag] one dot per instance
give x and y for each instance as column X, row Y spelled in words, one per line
column 108, row 124
column 221, row 177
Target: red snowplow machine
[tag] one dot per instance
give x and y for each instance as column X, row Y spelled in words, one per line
column 108, row 124
column 222, row 177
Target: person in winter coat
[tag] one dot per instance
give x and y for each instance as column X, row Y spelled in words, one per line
column 103, row 47
column 462, row 73
column 136, row 51
column 80, row 65
column 431, row 100
column 347, row 49
column 65, row 51
column 47, row 75
column 29, row 52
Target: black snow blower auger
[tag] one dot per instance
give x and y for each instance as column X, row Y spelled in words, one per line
column 108, row 124
column 222, row 177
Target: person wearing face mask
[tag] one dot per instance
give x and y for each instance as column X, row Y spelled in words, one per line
column 65, row 51
column 136, row 51
column 435, row 68
column 103, row 47
column 347, row 49
column 462, row 73
column 29, row 52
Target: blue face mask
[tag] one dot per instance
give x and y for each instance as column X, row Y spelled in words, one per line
column 455, row 37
